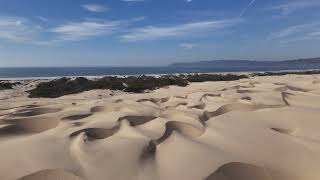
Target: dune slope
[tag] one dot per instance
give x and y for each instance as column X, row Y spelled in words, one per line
column 262, row 128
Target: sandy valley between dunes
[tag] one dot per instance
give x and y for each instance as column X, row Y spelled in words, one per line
column 262, row 128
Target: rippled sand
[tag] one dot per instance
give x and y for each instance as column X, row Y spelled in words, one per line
column 264, row 128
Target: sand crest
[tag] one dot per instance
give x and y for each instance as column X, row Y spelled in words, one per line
column 262, row 128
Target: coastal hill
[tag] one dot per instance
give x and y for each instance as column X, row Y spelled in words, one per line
column 311, row 63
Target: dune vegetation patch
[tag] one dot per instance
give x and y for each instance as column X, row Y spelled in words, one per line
column 7, row 85
column 135, row 84
column 282, row 73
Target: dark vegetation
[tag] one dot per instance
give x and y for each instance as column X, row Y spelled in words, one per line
column 135, row 84
column 64, row 86
column 7, row 85
column 214, row 77
column 286, row 73
column 139, row 84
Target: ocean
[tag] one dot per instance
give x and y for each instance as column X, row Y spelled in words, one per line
column 47, row 72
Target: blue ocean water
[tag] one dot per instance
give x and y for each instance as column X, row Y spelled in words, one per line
column 42, row 72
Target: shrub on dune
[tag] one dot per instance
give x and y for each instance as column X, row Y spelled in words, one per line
column 7, row 85
column 134, row 84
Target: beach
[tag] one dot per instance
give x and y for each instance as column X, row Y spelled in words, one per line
column 260, row 128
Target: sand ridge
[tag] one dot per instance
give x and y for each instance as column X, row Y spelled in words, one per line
column 259, row 128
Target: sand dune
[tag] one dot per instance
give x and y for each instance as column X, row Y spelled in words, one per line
column 263, row 128
column 29, row 125
column 235, row 171
column 51, row 175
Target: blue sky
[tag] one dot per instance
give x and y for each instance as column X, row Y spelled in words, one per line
column 155, row 32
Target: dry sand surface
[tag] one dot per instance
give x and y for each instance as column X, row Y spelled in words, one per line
column 263, row 128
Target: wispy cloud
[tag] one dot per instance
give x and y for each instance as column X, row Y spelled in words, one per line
column 189, row 29
column 297, row 33
column 22, row 30
column 293, row 6
column 141, row 18
column 131, row 1
column 187, row 46
column 294, row 30
column 95, row 7
column 43, row 19
column 17, row 29
column 246, row 9
column 76, row 31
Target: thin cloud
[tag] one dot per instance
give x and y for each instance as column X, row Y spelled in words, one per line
column 187, row 46
column 43, row 19
column 297, row 33
column 22, row 30
column 141, row 18
column 190, row 29
column 246, row 9
column 95, row 8
column 133, row 0
column 77, row 31
column 17, row 29
column 293, row 6
column 294, row 30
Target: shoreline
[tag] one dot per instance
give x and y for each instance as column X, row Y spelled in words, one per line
column 149, row 75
